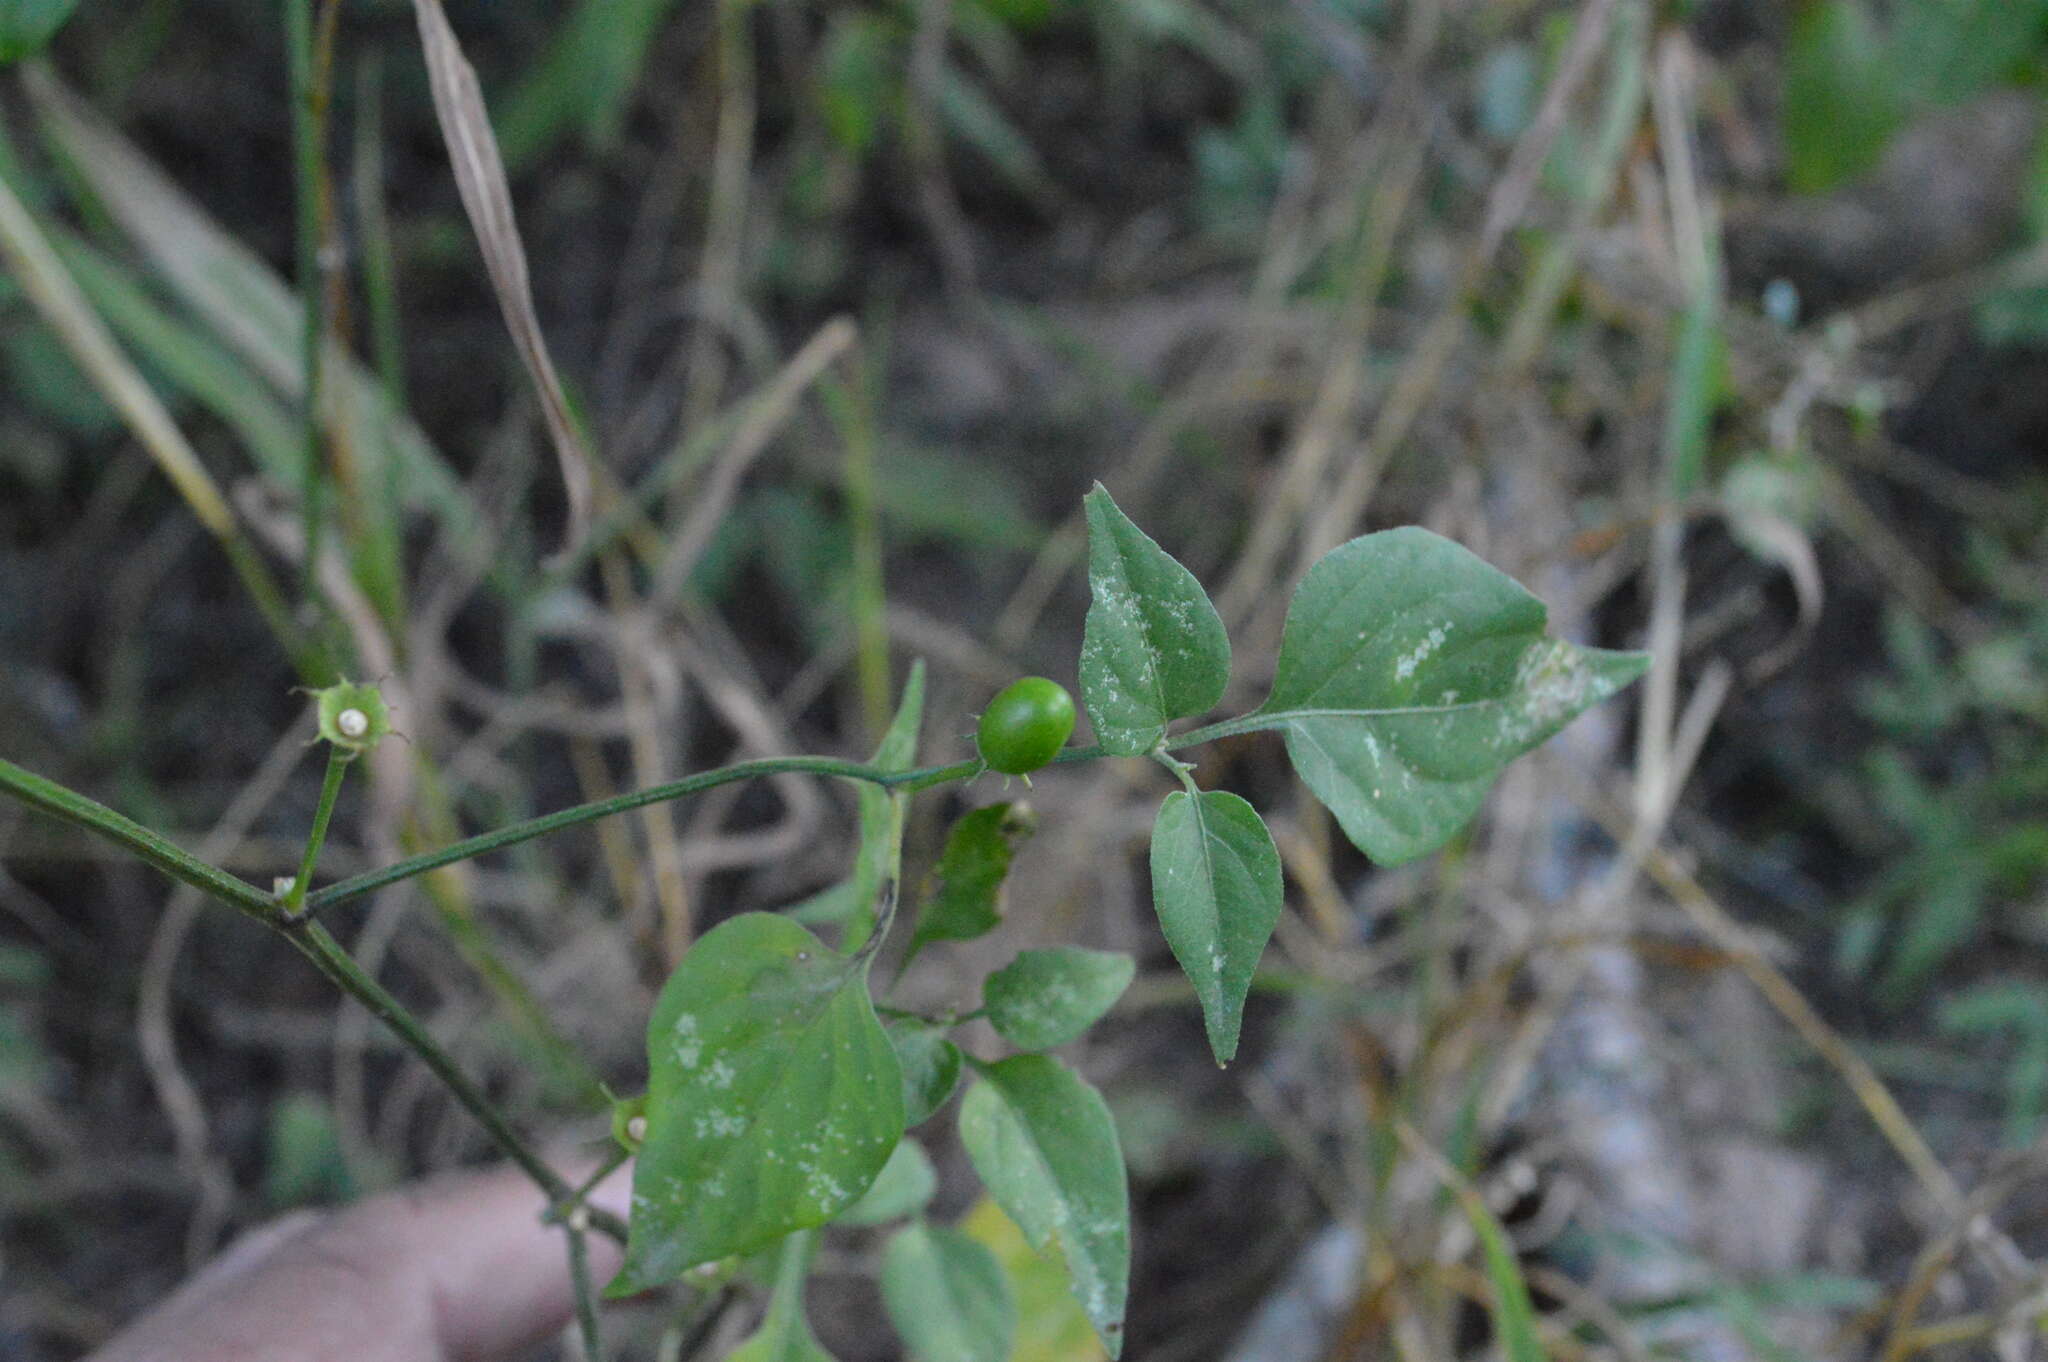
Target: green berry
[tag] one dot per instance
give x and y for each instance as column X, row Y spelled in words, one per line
column 1025, row 726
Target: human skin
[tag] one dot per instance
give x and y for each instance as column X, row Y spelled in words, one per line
column 457, row 1269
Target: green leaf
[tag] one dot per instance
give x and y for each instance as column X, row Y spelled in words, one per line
column 977, row 121
column 1045, row 1147
column 1514, row 1316
column 1047, row 998
column 773, row 1098
column 832, row 904
column 858, row 78
column 1153, row 648
column 947, row 1296
column 303, row 1163
column 933, row 496
column 1942, row 916
column 27, row 25
column 1949, row 51
column 931, row 1067
column 236, row 297
column 583, row 83
column 1410, row 673
column 902, row 1188
column 1216, row 888
column 188, row 357
column 878, row 863
column 785, row 1335
column 962, row 896
column 1050, row 1325
column 1842, row 95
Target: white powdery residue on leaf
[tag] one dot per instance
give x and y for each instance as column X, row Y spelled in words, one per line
column 1552, row 683
column 720, row 1124
column 1405, row 665
column 821, row 1187
column 687, row 1045
column 1097, row 1304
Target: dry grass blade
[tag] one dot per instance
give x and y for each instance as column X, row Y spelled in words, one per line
column 1420, row 374
column 487, row 198
column 50, row 288
column 239, row 297
column 1728, row 936
column 761, row 420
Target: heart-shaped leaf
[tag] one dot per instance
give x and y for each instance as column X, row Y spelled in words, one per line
column 947, row 1296
column 1410, row 673
column 1045, row 1147
column 1044, row 999
column 773, row 1099
column 1153, row 648
column 1216, row 888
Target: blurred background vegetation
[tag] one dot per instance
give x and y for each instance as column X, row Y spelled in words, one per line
column 1722, row 324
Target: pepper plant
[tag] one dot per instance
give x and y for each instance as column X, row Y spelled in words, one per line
column 781, row 1083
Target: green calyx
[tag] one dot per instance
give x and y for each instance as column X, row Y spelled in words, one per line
column 353, row 716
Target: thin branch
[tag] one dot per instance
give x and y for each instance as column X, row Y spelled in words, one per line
column 338, row 760
column 54, row 799
column 909, row 781
column 327, row 955
column 315, row 944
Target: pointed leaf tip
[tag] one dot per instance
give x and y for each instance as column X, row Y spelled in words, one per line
column 1153, row 647
column 1217, row 889
column 1410, row 673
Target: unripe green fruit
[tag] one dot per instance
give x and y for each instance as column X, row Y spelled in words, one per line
column 1025, row 726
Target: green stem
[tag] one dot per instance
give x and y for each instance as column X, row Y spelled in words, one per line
column 40, row 793
column 174, row 861
column 1183, row 771
column 586, row 1296
column 851, row 410
column 296, row 925
column 327, row 955
column 310, row 44
column 308, row 658
column 311, row 940
column 568, row 1206
column 337, row 767
column 1228, row 728
column 902, row 782
column 909, row 781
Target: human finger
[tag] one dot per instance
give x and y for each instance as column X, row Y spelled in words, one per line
column 458, row 1269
